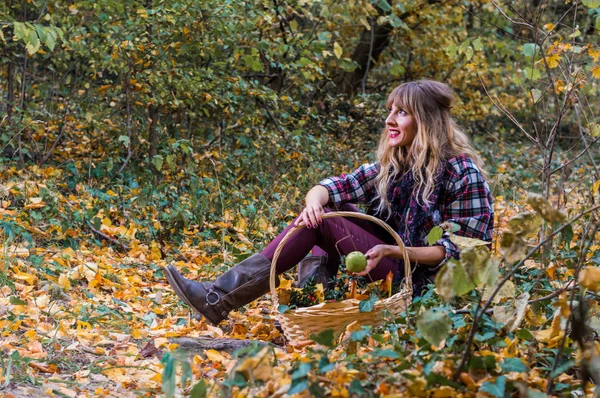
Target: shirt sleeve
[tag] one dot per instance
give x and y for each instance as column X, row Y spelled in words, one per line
column 470, row 206
column 356, row 187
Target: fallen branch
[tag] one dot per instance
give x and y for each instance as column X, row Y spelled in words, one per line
column 106, row 237
column 198, row 345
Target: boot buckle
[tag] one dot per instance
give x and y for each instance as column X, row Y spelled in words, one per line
column 212, row 293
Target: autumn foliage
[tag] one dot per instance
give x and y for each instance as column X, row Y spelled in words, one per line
column 137, row 134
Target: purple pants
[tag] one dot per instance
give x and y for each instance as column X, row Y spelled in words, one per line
column 349, row 233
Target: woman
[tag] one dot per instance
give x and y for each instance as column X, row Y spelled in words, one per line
column 426, row 173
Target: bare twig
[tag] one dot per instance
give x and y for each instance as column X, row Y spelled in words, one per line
column 502, row 109
column 128, row 119
column 62, row 131
column 364, row 79
column 106, row 237
column 479, row 314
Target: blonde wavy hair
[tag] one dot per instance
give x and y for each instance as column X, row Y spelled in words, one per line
column 438, row 139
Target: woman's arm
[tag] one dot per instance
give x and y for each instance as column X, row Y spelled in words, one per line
column 431, row 255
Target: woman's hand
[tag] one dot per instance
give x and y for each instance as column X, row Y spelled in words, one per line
column 316, row 198
column 374, row 256
column 311, row 215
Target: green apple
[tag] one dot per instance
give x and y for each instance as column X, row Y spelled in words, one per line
column 356, row 262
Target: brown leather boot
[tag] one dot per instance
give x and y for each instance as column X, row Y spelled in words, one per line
column 240, row 285
column 315, row 267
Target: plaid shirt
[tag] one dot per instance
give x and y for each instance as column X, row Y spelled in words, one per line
column 463, row 197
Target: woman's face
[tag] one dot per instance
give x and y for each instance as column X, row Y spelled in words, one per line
column 401, row 127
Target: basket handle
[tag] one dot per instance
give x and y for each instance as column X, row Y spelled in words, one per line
column 292, row 231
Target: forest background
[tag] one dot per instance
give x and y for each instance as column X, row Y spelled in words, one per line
column 136, row 134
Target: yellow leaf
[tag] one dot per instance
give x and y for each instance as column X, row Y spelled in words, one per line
column 214, row 355
column 63, row 281
column 337, row 50
column 596, row 72
column 506, row 291
column 142, row 13
column 595, row 54
column 257, row 367
column 559, row 87
column 155, row 253
column 365, row 23
column 464, row 243
column 553, row 60
column 595, row 187
column 552, row 335
column 549, row 27
column 30, row 279
column 589, row 277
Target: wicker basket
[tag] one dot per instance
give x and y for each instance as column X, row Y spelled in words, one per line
column 300, row 323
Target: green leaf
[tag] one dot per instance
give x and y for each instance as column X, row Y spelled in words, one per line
column 125, row 140
column 359, row 335
column 282, row 308
column 524, row 334
column 19, row 31
column 297, row 387
column 597, row 24
column 434, row 235
column 168, row 376
column 451, row 50
column 186, row 373
column 32, row 42
column 536, row 94
column 387, row 353
column 475, row 261
column 397, row 70
column 325, row 338
column 591, row 3
column 529, row 49
column 513, row 365
column 14, row 300
column 469, row 53
column 496, row 389
column 452, row 281
column 477, row 44
column 158, row 161
column 434, row 325
column 384, row 5
column 450, row 226
column 487, row 362
column 199, row 390
column 562, row 369
column 531, row 393
column 531, row 73
column 41, row 32
column 368, row 304
column 357, row 388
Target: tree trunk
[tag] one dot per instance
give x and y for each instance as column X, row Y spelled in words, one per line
column 349, row 82
column 371, row 44
column 369, row 49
